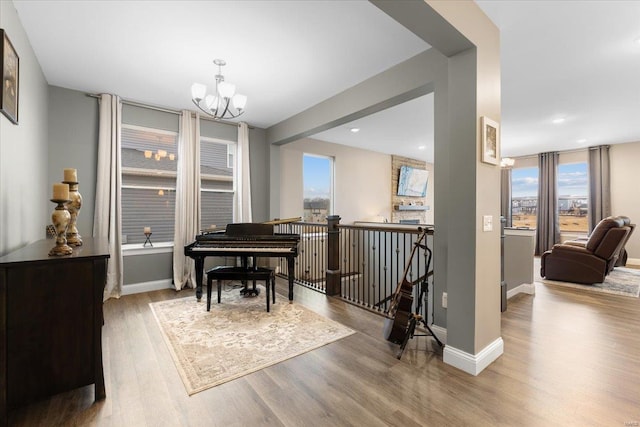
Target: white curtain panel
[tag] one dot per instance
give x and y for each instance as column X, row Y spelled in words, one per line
column 107, row 219
column 242, row 197
column 187, row 218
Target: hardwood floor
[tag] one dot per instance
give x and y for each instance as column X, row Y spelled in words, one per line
column 571, row 358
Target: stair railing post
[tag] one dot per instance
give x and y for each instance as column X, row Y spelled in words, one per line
column 333, row 256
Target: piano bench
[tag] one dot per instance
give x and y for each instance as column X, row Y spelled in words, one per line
column 244, row 275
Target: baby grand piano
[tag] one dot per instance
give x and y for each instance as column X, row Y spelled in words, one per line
column 244, row 240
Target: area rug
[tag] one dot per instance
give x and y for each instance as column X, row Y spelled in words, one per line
column 621, row 281
column 238, row 336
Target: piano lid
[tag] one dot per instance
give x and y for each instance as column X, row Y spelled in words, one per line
column 249, row 229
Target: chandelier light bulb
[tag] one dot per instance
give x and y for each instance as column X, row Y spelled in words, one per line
column 239, row 101
column 198, row 91
column 211, row 102
column 226, row 89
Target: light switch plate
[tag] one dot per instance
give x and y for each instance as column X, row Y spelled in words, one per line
column 487, row 223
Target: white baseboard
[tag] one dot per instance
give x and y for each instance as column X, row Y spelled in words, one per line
column 525, row 288
column 138, row 288
column 473, row 363
column 633, row 261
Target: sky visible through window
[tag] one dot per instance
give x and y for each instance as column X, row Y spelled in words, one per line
column 317, row 177
column 572, row 180
column 524, row 182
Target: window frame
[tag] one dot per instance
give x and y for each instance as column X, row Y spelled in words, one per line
column 332, row 180
column 164, row 245
column 232, row 147
column 586, row 197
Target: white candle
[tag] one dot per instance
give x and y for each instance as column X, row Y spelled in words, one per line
column 147, row 230
column 71, row 175
column 60, row 191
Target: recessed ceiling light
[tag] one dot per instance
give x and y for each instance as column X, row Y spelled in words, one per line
column 422, row 147
column 558, row 120
column 355, row 130
column 581, row 141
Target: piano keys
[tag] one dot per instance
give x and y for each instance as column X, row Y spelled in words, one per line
column 244, row 240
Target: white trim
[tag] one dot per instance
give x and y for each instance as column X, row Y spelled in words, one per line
column 148, row 187
column 209, row 190
column 525, row 288
column 149, row 129
column 139, row 249
column 633, row 261
column 218, row 140
column 155, row 285
column 473, row 363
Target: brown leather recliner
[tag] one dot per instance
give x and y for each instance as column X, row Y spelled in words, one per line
column 591, row 263
column 622, row 255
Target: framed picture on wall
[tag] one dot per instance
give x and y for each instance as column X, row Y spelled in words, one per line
column 490, row 141
column 10, row 65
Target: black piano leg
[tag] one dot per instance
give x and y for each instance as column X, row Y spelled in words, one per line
column 291, row 265
column 199, row 275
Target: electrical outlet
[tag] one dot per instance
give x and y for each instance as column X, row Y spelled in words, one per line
column 444, row 300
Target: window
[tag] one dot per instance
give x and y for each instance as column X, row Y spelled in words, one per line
column 573, row 197
column 317, row 177
column 524, row 197
column 148, row 183
column 216, row 182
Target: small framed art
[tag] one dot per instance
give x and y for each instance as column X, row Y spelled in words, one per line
column 10, row 66
column 490, row 141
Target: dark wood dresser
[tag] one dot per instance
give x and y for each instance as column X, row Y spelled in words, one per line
column 51, row 322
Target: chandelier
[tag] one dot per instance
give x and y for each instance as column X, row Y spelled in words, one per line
column 223, row 103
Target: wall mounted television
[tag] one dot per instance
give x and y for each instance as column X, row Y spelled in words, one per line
column 412, row 182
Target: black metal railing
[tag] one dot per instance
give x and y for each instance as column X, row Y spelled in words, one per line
column 369, row 261
column 311, row 262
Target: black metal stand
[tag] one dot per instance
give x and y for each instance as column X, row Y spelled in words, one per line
column 416, row 317
column 148, row 240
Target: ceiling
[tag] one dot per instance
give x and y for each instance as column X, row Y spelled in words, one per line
column 577, row 60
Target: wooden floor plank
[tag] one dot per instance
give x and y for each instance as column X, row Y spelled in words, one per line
column 571, row 357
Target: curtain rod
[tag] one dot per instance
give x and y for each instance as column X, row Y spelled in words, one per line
column 169, row 110
column 574, row 150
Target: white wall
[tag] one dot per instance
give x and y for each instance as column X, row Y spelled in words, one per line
column 362, row 180
column 25, row 209
column 625, row 191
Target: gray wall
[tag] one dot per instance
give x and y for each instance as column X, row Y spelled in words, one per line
column 73, row 136
column 25, row 209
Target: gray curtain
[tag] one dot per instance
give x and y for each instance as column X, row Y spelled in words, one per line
column 548, row 226
column 599, row 185
column 505, row 196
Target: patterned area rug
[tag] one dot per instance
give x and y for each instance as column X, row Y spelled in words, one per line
column 238, row 336
column 621, row 281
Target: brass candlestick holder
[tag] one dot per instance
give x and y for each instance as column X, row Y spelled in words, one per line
column 73, row 237
column 60, row 218
column 148, row 240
